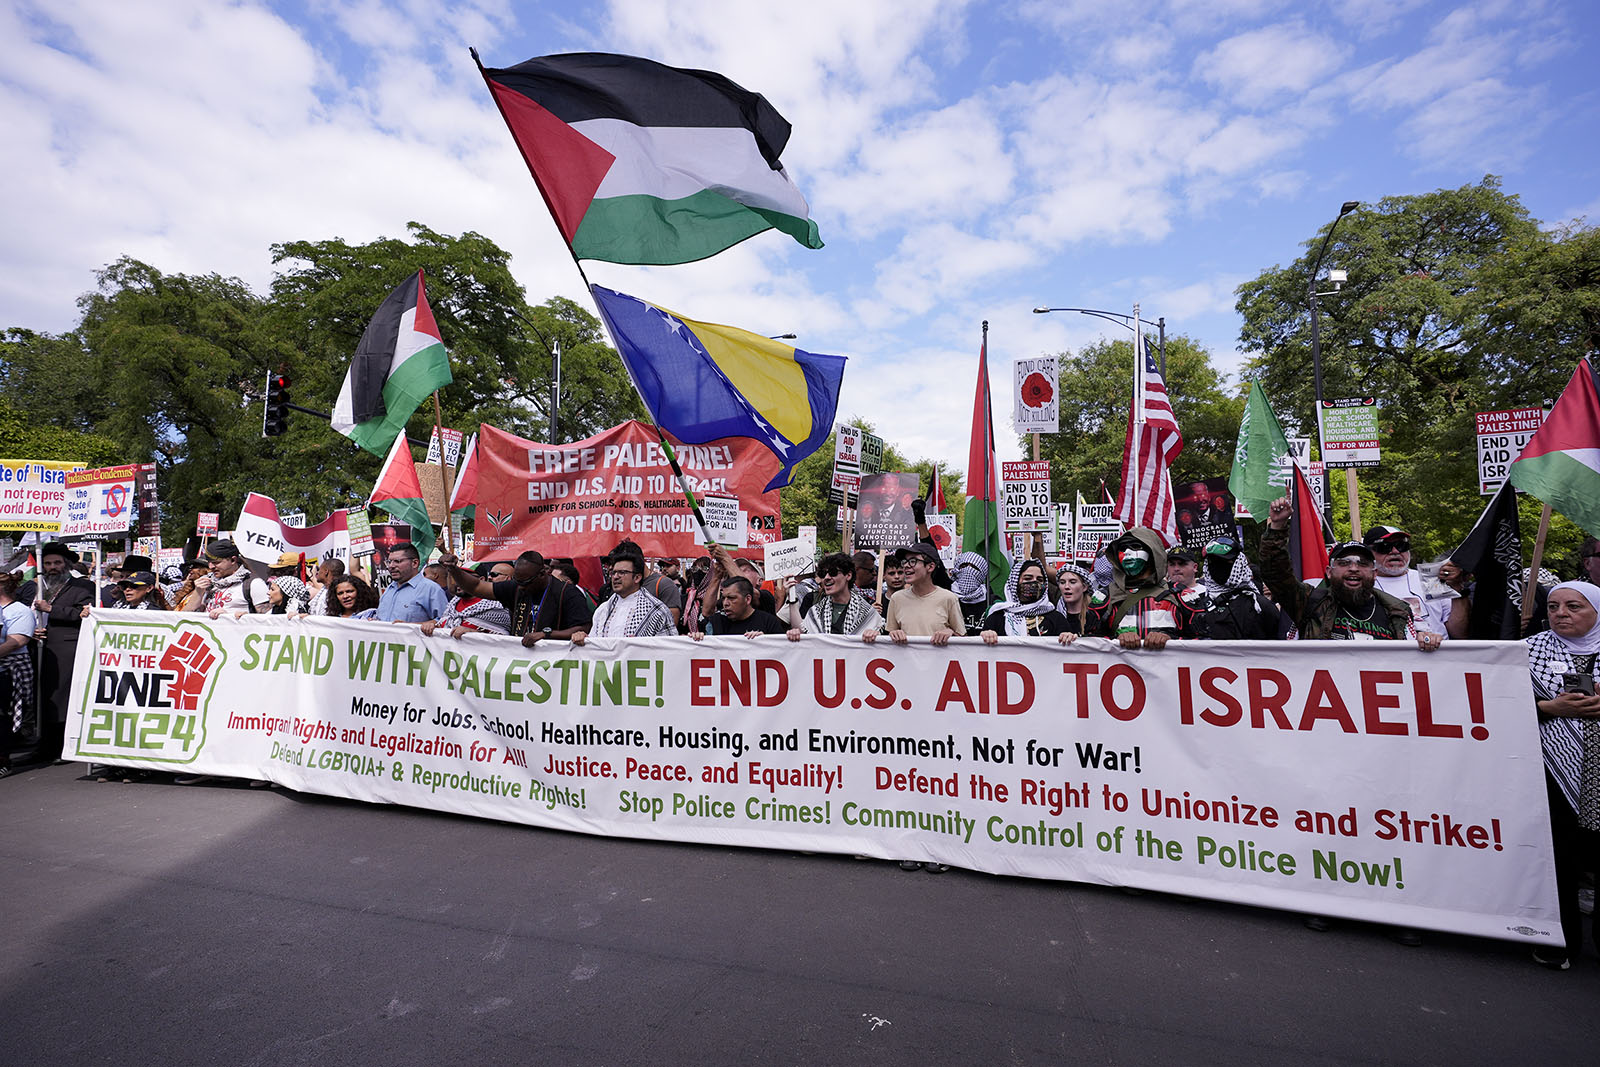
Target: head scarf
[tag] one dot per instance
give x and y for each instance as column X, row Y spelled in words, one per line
column 1589, row 642
column 971, row 582
column 1017, row 611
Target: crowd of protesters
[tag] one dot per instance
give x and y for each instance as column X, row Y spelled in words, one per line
column 1138, row 593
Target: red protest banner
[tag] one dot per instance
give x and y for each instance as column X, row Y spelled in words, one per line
column 580, row 499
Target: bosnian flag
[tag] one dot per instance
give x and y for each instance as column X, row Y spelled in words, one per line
column 399, row 491
column 400, row 360
column 644, row 163
column 264, row 537
column 1561, row 465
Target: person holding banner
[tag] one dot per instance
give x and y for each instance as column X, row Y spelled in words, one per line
column 410, row 596
column 922, row 609
column 540, row 604
column 230, row 588
column 739, row 614
column 838, row 610
column 349, row 596
column 1563, row 662
column 1140, row 609
column 1076, row 591
column 1026, row 611
column 327, row 570
column 630, row 611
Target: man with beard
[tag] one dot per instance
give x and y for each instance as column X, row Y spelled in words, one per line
column 630, row 611
column 1348, row 606
column 1391, row 550
column 61, row 598
column 540, row 604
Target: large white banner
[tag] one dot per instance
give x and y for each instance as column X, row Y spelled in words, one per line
column 1362, row 780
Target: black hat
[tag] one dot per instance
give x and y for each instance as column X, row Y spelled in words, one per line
column 921, row 548
column 1181, row 554
column 137, row 563
column 56, row 548
column 138, row 580
column 222, row 550
column 1347, row 548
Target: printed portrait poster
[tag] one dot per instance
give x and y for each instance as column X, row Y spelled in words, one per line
column 883, row 516
column 1205, row 512
column 581, row 498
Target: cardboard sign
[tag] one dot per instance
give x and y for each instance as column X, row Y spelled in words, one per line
column 1502, row 435
column 1025, row 495
column 1036, row 406
column 1350, row 432
column 785, row 559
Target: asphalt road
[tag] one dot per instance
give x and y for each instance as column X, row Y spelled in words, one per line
column 149, row 923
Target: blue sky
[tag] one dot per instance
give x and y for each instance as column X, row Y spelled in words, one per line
column 963, row 161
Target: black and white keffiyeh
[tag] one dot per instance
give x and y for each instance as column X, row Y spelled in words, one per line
column 1016, row 611
column 859, row 616
column 483, row 614
column 638, row 615
column 971, row 581
column 18, row 664
column 1571, row 746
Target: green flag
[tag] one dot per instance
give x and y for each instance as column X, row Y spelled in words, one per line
column 1260, row 458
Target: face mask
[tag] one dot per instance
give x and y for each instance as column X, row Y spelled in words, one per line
column 1133, row 560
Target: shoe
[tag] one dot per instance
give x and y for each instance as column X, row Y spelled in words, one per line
column 259, row 783
column 191, row 779
column 910, row 865
column 1549, row 957
column 936, row 868
column 1320, row 923
column 6, row 770
column 1405, row 935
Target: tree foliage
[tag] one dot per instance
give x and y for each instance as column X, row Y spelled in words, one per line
column 1457, row 302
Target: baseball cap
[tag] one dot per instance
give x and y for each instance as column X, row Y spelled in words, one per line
column 222, row 550
column 138, row 580
column 1387, row 535
column 1351, row 548
column 922, row 549
column 1181, row 554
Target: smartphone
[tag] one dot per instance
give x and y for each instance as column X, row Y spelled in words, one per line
column 1573, row 682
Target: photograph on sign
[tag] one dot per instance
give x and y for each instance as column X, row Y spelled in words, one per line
column 1036, row 406
column 884, row 518
column 1205, row 511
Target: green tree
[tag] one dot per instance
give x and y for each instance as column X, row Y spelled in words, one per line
column 1096, row 388
column 1456, row 302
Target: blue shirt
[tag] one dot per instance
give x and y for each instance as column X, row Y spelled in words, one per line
column 415, row 600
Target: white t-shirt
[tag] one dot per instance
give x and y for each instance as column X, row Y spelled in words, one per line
column 17, row 618
column 1426, row 614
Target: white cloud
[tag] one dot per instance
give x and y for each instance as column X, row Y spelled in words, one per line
column 1262, row 65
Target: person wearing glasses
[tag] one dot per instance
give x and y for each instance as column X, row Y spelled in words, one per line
column 630, row 611
column 922, row 609
column 1391, row 549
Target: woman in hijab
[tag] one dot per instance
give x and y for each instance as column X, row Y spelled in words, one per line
column 1026, row 610
column 1561, row 661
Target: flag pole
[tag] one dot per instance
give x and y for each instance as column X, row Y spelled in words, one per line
column 444, row 476
column 1533, row 571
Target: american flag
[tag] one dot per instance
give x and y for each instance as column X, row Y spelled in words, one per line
column 1153, row 442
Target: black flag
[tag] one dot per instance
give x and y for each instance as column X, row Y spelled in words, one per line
column 1492, row 553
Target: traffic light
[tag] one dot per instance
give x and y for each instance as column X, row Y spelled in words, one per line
column 276, row 418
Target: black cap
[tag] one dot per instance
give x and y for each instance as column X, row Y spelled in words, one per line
column 1181, row 554
column 1378, row 534
column 921, row 548
column 1347, row 548
column 222, row 550
column 138, row 580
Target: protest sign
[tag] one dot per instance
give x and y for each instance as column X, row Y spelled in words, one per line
column 1350, row 432
column 785, row 559
column 169, row 557
column 723, row 521
column 1205, row 512
column 884, row 518
column 580, row 499
column 808, row 534
column 1501, row 437
column 32, row 493
column 451, row 450
column 99, row 503
column 1315, row 471
column 1025, row 495
column 846, row 460
column 359, row 527
column 1317, row 777
column 148, row 546
column 1097, row 527
column 206, row 524
column 942, row 530
column 147, row 501
column 263, row 535
column 871, row 453
column 1036, row 407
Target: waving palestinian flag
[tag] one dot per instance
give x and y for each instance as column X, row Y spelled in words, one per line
column 1561, row 465
column 400, row 360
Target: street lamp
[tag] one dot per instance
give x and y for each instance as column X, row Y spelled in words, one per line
column 1316, row 340
column 1125, row 320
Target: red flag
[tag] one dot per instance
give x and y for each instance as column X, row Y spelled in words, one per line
column 980, row 527
column 1152, row 443
column 1308, row 552
column 935, row 499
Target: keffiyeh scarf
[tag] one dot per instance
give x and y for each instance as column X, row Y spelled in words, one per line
column 1017, row 612
column 642, row 615
column 483, row 614
column 859, row 616
column 971, row 582
column 19, row 665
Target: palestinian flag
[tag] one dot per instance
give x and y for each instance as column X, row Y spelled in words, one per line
column 400, row 360
column 1308, row 545
column 644, row 163
column 399, row 490
column 464, row 494
column 980, row 527
column 1561, row 465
